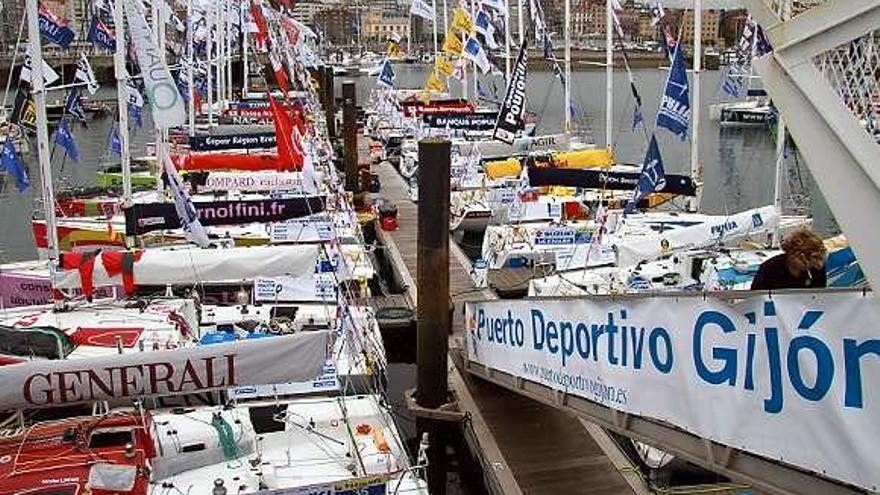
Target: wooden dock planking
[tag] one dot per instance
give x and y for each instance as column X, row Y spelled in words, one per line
column 546, row 450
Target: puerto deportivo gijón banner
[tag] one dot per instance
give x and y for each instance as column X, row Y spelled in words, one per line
column 291, row 358
column 793, row 377
column 513, row 108
column 148, row 217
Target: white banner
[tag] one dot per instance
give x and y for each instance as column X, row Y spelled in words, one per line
column 791, row 378
column 294, row 358
column 162, row 92
column 315, row 228
column 327, row 382
column 255, row 181
column 320, row 287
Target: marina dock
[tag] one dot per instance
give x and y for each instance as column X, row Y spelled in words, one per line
column 537, row 449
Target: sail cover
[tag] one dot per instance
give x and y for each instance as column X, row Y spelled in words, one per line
column 720, row 230
column 189, row 266
column 291, row 358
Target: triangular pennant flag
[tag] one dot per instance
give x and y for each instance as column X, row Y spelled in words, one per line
column 474, row 51
column 386, row 75
column 675, row 107
column 84, row 74
column 11, row 161
column 652, row 178
column 452, row 44
column 462, row 21
column 64, row 138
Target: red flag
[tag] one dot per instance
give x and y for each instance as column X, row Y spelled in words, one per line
column 262, row 29
column 284, row 135
column 280, row 73
column 290, row 30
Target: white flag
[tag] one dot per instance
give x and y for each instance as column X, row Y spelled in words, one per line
column 162, row 93
column 49, row 74
column 474, row 51
column 85, row 74
column 189, row 217
column 657, row 13
column 135, row 98
column 485, row 27
column 499, row 5
column 422, row 9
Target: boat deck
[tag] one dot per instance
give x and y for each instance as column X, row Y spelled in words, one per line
column 525, row 446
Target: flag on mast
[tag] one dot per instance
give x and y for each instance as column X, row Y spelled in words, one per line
column 11, row 161
column 675, row 107
column 85, row 74
column 64, row 138
column 652, row 178
column 420, row 8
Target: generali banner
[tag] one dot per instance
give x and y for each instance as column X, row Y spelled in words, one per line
column 293, row 358
column 794, row 376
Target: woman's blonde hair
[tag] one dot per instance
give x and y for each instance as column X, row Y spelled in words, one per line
column 803, row 241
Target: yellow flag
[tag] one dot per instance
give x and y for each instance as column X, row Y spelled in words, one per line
column 444, row 66
column 452, row 45
column 395, row 51
column 435, row 82
column 462, row 20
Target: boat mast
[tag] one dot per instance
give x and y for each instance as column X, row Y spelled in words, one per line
column 209, row 38
column 190, row 63
column 38, row 85
column 609, row 73
column 229, row 51
column 785, row 14
column 519, row 20
column 159, row 39
column 245, row 83
column 122, row 100
column 567, row 126
column 506, row 42
column 436, row 46
column 694, row 202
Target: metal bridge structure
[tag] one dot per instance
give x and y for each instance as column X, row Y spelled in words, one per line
column 824, row 77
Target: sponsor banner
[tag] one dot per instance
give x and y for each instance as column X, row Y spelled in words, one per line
column 165, row 100
column 249, row 112
column 22, row 290
column 245, row 120
column 602, row 179
column 316, row 228
column 474, row 121
column 253, row 181
column 320, row 287
column 730, row 115
column 327, row 382
column 233, row 142
column 792, row 377
column 298, row 358
column 513, row 108
column 522, row 145
column 554, row 236
column 147, row 217
column 419, row 108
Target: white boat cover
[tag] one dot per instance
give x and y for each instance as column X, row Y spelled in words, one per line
column 192, row 265
column 722, row 231
column 292, row 358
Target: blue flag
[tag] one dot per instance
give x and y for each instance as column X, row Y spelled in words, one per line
column 135, row 113
column 53, row 28
column 731, row 84
column 675, row 106
column 114, row 142
column 386, row 75
column 74, row 105
column 100, row 35
column 11, row 161
column 64, row 138
column 652, row 178
column 638, row 117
